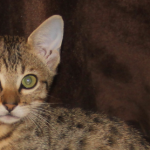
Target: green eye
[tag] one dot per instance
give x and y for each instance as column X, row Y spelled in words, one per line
column 29, row 81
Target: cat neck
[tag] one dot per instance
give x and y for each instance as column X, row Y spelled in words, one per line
column 4, row 129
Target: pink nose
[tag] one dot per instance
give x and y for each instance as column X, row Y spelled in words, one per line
column 9, row 107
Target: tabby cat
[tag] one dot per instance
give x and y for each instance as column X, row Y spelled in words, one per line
column 27, row 122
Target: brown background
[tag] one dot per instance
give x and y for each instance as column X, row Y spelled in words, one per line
column 105, row 62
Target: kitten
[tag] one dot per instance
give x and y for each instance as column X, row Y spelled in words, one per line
column 27, row 122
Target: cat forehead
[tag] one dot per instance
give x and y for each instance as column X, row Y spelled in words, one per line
column 15, row 52
column 11, row 45
column 11, row 49
column 8, row 39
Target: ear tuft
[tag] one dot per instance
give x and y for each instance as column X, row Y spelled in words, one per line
column 46, row 40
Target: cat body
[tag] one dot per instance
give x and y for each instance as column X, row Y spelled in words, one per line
column 27, row 122
column 72, row 129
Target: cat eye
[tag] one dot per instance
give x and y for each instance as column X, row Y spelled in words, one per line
column 29, row 81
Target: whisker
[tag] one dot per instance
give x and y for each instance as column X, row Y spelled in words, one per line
column 41, row 109
column 32, row 107
column 25, row 121
column 37, row 126
column 40, row 116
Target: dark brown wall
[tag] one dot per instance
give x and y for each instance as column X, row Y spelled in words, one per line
column 105, row 53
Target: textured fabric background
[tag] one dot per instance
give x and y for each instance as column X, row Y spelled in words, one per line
column 105, row 63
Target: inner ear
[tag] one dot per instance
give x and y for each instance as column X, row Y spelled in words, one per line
column 46, row 40
column 53, row 59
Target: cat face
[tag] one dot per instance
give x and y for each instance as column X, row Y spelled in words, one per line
column 27, row 70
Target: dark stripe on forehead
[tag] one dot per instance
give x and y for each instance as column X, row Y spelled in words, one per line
column 23, row 69
column 19, row 56
column 4, row 60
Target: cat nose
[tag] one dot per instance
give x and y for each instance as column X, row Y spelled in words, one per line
column 10, row 107
column 10, row 99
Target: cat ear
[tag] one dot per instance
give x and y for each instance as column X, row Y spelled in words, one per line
column 46, row 40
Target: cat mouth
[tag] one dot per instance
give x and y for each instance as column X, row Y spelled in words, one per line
column 9, row 118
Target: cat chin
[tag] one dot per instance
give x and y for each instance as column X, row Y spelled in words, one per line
column 9, row 119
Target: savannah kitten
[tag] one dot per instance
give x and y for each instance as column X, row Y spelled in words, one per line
column 27, row 122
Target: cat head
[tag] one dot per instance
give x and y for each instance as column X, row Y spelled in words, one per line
column 27, row 69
